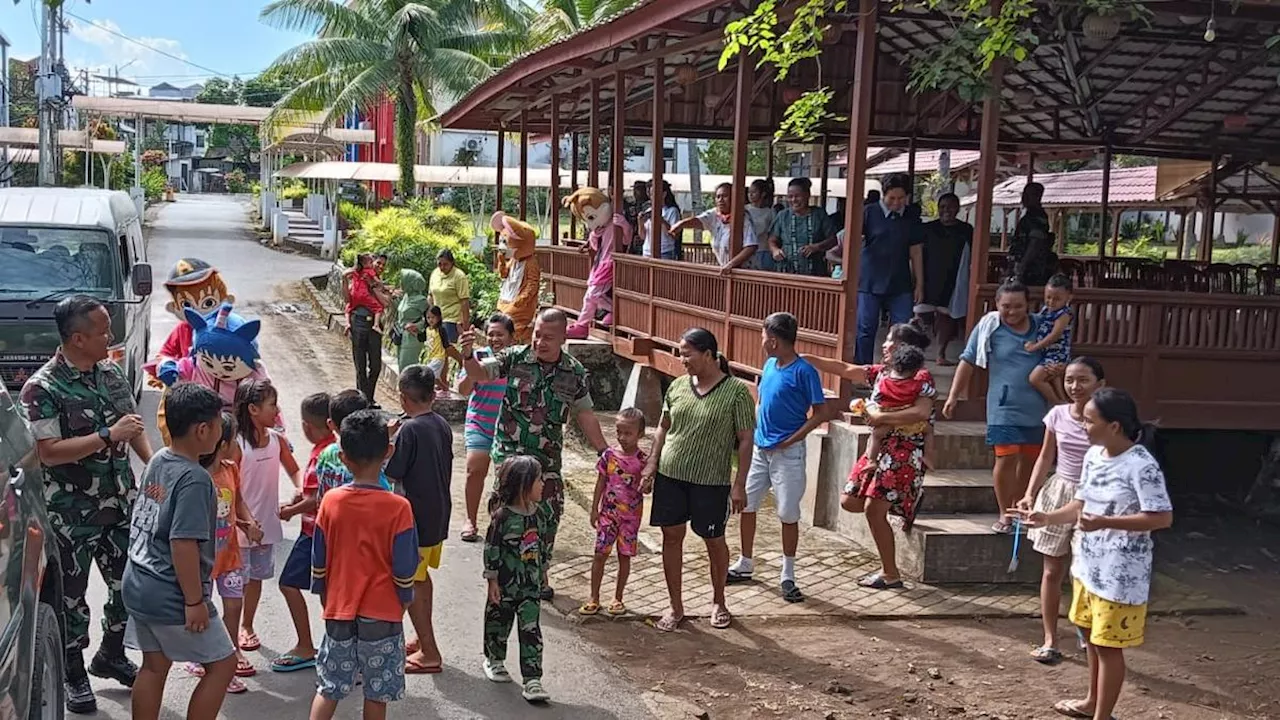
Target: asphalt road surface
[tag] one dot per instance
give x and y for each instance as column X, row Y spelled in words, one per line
column 302, row 359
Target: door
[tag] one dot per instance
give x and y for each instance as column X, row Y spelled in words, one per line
column 17, row 606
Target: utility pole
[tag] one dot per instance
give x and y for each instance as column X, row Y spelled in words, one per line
column 49, row 91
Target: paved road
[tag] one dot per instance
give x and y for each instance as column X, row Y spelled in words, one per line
column 302, row 359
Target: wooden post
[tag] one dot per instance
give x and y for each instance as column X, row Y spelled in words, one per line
column 1106, row 202
column 1115, row 232
column 741, row 136
column 822, row 165
column 1182, row 232
column 502, row 157
column 593, row 139
column 988, row 147
column 573, row 179
column 1206, row 234
column 1060, row 228
column 553, row 196
column 911, row 169
column 659, row 165
column 617, row 150
column 861, row 96
column 1275, row 238
column 1004, row 229
column 1031, row 167
column 524, row 164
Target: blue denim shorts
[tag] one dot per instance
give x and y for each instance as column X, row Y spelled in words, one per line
column 1014, row 435
column 370, row 649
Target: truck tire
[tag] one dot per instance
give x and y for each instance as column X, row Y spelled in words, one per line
column 48, row 693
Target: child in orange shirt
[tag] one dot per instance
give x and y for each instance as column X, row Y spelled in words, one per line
column 363, row 558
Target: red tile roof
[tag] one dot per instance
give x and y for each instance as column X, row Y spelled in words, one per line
column 1129, row 186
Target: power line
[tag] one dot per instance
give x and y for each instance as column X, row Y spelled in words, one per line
column 158, row 51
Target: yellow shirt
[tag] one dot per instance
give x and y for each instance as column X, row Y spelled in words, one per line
column 448, row 291
column 433, row 347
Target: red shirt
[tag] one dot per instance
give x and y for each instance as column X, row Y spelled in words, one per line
column 360, row 293
column 311, row 484
column 364, row 554
column 178, row 344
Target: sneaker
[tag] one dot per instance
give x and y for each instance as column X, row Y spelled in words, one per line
column 496, row 671
column 118, row 668
column 80, row 699
column 533, row 691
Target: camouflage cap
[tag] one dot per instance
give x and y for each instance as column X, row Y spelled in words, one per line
column 189, row 271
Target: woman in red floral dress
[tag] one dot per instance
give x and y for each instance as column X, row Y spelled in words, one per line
column 893, row 487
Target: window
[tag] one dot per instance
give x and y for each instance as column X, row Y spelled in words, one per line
column 199, row 140
column 36, row 261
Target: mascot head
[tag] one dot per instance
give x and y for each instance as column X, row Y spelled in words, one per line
column 224, row 343
column 517, row 240
column 590, row 206
column 196, row 285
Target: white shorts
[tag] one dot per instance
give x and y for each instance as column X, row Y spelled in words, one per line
column 783, row 472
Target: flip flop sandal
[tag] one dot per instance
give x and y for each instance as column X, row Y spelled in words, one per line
column 249, row 641
column 1070, row 709
column 1047, row 655
column 790, row 592
column 244, row 668
column 1001, row 528
column 412, row 646
column 194, row 669
column 668, row 623
column 877, row 582
column 291, row 663
column 721, row 619
column 413, row 667
column 589, row 608
column 235, row 687
column 616, row 608
column 469, row 533
column 737, row 576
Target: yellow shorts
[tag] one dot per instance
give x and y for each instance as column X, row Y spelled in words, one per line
column 428, row 557
column 1110, row 624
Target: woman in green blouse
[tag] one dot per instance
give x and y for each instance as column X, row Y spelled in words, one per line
column 802, row 234
column 708, row 417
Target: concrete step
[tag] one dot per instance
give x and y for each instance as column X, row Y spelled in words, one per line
column 957, row 491
column 959, row 445
column 954, row 549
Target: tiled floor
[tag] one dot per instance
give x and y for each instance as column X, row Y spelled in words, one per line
column 829, row 580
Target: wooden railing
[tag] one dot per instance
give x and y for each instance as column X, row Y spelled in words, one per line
column 564, row 273
column 1193, row 360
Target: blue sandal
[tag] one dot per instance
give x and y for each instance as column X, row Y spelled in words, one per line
column 291, row 663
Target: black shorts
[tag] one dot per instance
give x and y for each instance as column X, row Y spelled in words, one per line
column 704, row 507
column 297, row 569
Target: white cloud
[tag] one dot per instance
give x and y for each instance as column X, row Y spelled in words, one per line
column 96, row 47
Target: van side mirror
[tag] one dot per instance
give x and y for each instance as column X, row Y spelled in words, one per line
column 141, row 278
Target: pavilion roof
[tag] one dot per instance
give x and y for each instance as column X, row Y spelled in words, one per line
column 1156, row 88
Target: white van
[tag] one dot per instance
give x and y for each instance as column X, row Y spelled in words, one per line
column 56, row 242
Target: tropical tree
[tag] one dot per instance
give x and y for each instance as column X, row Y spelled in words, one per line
column 422, row 54
column 560, row 18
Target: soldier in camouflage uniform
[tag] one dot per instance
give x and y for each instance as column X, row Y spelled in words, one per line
column 82, row 411
column 544, row 384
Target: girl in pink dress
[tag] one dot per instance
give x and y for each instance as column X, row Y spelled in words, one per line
column 263, row 452
column 616, row 509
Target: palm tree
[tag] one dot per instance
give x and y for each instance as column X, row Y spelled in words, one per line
column 560, row 18
column 420, row 53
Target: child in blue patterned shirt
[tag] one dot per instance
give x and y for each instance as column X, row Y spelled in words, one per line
column 1053, row 340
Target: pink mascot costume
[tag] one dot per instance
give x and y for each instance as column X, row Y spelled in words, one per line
column 607, row 232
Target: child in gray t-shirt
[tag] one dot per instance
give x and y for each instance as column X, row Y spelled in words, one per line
column 166, row 584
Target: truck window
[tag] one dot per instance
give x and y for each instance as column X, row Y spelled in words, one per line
column 35, row 261
column 126, row 262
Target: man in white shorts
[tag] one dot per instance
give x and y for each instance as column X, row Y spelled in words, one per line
column 791, row 405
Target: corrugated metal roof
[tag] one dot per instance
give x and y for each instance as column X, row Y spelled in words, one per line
column 926, row 162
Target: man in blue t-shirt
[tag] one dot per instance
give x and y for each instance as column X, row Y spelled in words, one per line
column 791, row 405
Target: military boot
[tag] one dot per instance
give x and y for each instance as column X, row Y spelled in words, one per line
column 80, row 699
column 111, row 663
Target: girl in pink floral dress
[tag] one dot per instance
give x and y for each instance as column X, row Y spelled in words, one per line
column 616, row 509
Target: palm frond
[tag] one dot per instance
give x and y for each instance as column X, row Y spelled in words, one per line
column 330, row 17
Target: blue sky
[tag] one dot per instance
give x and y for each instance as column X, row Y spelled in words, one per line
column 221, row 35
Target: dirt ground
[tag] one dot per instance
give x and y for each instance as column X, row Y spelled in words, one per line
column 1193, row 668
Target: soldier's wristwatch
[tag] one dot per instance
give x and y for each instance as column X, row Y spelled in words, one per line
column 105, row 434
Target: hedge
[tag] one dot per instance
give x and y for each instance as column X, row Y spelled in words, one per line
column 412, row 236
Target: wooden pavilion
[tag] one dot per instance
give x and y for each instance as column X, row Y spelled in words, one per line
column 1155, row 88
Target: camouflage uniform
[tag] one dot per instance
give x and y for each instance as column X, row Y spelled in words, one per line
column 538, row 399
column 89, row 501
column 515, row 554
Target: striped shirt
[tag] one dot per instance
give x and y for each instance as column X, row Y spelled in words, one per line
column 702, row 441
column 483, row 405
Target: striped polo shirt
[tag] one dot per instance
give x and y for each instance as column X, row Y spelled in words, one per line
column 483, row 406
column 702, row 441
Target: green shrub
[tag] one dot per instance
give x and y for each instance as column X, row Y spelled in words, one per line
column 237, row 181
column 407, row 237
column 443, row 219
column 293, row 190
column 353, row 216
column 154, row 182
